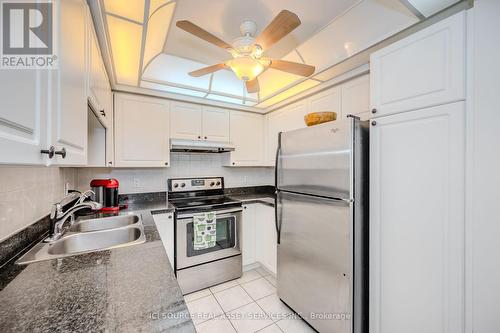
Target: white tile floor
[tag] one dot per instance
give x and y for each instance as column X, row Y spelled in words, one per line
column 246, row 305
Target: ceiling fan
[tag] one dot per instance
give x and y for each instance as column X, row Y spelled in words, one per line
column 248, row 61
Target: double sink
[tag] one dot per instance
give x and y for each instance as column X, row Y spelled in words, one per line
column 89, row 236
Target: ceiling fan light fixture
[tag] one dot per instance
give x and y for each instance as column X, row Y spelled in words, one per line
column 246, row 68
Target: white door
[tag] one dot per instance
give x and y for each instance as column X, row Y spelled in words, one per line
column 69, row 85
column 185, row 121
column 422, row 70
column 327, row 101
column 141, row 131
column 356, row 97
column 247, row 136
column 23, row 116
column 215, row 124
column 247, row 234
column 417, row 221
column 266, row 246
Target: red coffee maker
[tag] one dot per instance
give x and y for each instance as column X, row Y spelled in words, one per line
column 106, row 193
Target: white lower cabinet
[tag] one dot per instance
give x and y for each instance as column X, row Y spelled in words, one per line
column 258, row 236
column 417, row 221
column 141, row 131
column 266, row 249
column 247, row 234
column 165, row 225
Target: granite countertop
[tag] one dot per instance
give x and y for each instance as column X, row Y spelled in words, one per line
column 248, row 198
column 128, row 289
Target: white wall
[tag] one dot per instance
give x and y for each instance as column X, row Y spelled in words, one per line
column 484, row 163
column 142, row 180
column 27, row 193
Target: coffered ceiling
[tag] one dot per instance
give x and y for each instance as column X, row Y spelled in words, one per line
column 146, row 50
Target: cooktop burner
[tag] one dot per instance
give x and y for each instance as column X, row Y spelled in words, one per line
column 201, row 202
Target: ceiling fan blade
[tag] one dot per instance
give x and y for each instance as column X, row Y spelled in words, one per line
column 280, row 26
column 203, row 34
column 207, row 70
column 292, row 67
column 253, row 85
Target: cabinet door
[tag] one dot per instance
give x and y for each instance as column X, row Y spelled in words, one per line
column 247, row 136
column 165, row 225
column 266, row 246
column 424, row 69
column 215, row 123
column 326, row 101
column 417, row 221
column 95, row 85
column 141, row 131
column 356, row 97
column 23, row 116
column 247, row 234
column 69, row 85
column 185, row 121
column 287, row 119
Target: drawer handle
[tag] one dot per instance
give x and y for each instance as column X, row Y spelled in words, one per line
column 374, row 123
column 51, row 151
column 374, row 110
column 61, row 152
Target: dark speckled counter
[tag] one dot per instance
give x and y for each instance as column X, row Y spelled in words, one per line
column 128, row 289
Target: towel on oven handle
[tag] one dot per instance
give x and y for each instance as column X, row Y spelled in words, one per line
column 205, row 230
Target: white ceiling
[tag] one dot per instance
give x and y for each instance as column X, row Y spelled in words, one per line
column 223, row 18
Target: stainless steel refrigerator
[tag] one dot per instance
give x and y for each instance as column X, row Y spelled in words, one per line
column 322, row 224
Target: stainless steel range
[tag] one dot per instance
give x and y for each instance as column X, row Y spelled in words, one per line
column 202, row 211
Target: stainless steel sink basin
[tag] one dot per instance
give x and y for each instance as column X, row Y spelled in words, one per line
column 94, row 235
column 105, row 223
column 97, row 240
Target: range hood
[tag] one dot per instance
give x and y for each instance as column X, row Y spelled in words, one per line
column 197, row 146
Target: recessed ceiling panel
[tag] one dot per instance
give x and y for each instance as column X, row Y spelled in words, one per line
column 174, row 90
column 273, row 80
column 224, row 17
column 125, row 38
column 175, row 70
column 131, row 9
column 303, row 86
column 225, row 99
column 225, row 81
column 155, row 4
column 158, row 25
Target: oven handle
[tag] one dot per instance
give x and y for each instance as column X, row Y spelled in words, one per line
column 217, row 212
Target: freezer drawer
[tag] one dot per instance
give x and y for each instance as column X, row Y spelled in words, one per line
column 318, row 160
column 315, row 259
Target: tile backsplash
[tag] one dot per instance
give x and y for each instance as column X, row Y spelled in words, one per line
column 142, row 180
column 27, row 193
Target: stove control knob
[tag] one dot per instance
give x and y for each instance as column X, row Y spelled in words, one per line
column 212, row 184
column 218, row 183
column 183, row 185
column 176, row 185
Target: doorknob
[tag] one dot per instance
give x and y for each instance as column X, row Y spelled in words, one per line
column 50, row 151
column 61, row 152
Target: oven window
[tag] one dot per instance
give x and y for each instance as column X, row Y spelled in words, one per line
column 225, row 236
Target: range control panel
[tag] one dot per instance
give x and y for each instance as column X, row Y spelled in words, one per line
column 195, row 184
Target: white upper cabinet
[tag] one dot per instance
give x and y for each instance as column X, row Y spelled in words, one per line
column 186, row 121
column 417, row 221
column 215, row 123
column 286, row 119
column 196, row 122
column 327, row 101
column 69, row 86
column 356, row 97
column 247, row 136
column 424, row 69
column 141, row 131
column 23, row 116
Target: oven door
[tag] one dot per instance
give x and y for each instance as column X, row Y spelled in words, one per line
column 227, row 240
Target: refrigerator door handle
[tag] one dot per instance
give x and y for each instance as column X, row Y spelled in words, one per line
column 277, row 220
column 276, row 193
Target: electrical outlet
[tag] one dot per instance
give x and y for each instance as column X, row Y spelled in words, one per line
column 137, row 183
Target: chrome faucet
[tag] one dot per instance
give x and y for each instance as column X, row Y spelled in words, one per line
column 58, row 216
